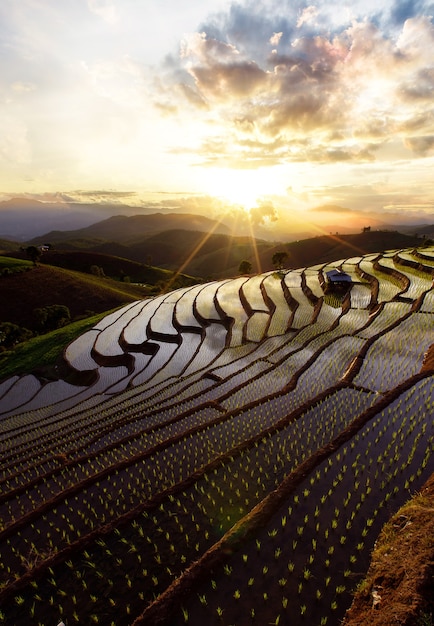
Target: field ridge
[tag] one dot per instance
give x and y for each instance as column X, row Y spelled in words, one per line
column 234, row 455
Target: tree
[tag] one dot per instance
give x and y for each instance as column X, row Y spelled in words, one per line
column 11, row 334
column 52, row 317
column 279, row 259
column 96, row 270
column 33, row 253
column 245, row 267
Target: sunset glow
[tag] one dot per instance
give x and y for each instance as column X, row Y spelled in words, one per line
column 288, row 103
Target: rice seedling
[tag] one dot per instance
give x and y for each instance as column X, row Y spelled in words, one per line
column 146, row 480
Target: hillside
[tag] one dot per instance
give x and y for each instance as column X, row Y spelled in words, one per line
column 44, row 286
column 327, row 248
column 193, row 252
column 113, row 266
column 8, row 246
column 185, row 241
column 222, row 452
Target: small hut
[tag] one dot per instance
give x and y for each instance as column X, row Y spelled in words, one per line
column 338, row 280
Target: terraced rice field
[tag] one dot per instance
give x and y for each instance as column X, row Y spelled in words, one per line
column 230, row 456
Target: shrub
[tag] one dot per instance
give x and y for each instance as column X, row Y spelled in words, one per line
column 52, row 317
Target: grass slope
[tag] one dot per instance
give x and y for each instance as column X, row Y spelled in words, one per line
column 44, row 286
column 40, row 355
column 113, row 266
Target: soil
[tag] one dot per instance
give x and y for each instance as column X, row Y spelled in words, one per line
column 428, row 361
column 399, row 587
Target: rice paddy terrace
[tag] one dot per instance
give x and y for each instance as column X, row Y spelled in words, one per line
column 228, row 454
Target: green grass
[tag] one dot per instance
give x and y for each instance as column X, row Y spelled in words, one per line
column 43, row 351
column 11, row 262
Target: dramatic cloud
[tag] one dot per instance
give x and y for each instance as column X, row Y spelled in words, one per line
column 313, row 96
column 233, row 98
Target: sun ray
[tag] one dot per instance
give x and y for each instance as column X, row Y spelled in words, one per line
column 255, row 249
column 191, row 256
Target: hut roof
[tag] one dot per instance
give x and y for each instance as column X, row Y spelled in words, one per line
column 337, row 276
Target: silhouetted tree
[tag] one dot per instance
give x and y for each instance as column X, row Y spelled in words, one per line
column 279, row 259
column 96, row 270
column 33, row 253
column 245, row 267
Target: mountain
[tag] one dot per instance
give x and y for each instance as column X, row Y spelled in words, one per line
column 191, row 252
column 22, row 219
column 130, row 229
column 426, row 230
column 197, row 244
column 183, row 242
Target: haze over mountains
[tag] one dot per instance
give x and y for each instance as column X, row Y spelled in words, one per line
column 23, row 219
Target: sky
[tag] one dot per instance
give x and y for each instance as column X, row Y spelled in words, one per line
column 279, row 109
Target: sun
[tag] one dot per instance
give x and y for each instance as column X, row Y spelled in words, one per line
column 242, row 189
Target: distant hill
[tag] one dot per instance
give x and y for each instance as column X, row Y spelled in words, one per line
column 22, row 219
column 8, row 246
column 191, row 252
column 216, row 255
column 195, row 245
column 427, row 230
column 198, row 253
column 330, row 248
column 132, row 229
column 189, row 243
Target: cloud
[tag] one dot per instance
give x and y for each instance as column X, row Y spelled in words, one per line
column 326, row 97
column 262, row 213
column 421, row 145
column 330, row 208
column 218, row 68
column 307, row 16
column 275, row 39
